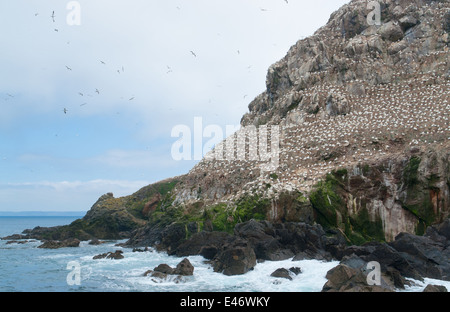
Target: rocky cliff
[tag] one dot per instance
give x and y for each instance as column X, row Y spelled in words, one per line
column 349, row 143
column 361, row 117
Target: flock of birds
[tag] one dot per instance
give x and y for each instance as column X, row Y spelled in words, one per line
column 169, row 70
column 388, row 119
column 410, row 112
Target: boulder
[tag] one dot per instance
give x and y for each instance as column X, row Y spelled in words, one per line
column 428, row 257
column 60, row 244
column 391, row 31
column 117, row 255
column 282, row 273
column 164, row 268
column 352, row 276
column 184, row 268
column 204, row 243
column 96, row 242
column 435, row 288
column 162, row 271
column 235, row 259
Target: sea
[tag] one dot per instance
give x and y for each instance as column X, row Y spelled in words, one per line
column 26, row 268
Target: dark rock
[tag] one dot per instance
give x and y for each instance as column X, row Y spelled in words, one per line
column 428, row 257
column 164, row 268
column 15, row 237
column 235, row 259
column 60, row 244
column 435, row 288
column 96, row 242
column 391, row 31
column 295, row 270
column 184, row 268
column 407, row 22
column 162, row 271
column 212, row 241
column 117, row 255
column 171, row 237
column 20, row 242
column 282, row 273
column 344, row 278
column 140, row 250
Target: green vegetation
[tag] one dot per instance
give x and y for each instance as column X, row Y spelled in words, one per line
column 326, row 202
column 330, row 206
column 224, row 217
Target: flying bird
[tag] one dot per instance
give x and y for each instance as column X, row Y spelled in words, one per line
column 65, row 110
column 192, row 52
column 80, row 93
column 131, row 99
column 102, row 62
column 96, row 90
column 68, row 68
column 53, row 16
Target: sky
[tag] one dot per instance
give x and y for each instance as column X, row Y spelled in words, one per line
column 91, row 90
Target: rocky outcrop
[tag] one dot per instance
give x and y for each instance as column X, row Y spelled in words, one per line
column 285, row 273
column 163, row 271
column 117, row 255
column 435, row 288
column 352, row 276
column 406, row 192
column 409, row 256
column 73, row 242
column 234, row 254
column 364, row 100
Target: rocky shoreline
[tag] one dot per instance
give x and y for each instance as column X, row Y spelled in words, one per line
column 407, row 257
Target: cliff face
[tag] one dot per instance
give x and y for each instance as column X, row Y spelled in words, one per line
column 352, row 133
column 368, row 100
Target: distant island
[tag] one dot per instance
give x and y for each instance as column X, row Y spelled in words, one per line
column 42, row 213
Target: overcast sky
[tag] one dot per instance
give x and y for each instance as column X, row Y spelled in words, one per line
column 88, row 109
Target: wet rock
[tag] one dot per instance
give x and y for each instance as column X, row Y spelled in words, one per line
column 282, row 273
column 236, row 258
column 435, row 288
column 96, row 242
column 184, row 268
column 351, row 275
column 60, row 244
column 117, row 255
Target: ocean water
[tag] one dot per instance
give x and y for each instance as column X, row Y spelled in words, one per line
column 24, row 267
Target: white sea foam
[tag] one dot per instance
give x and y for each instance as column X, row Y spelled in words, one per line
column 419, row 286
